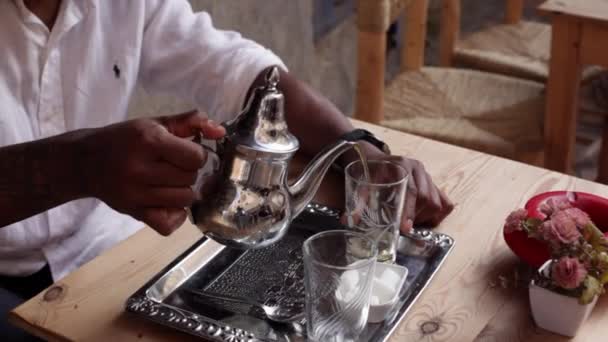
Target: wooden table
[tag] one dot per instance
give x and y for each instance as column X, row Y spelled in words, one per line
column 473, row 297
column 580, row 33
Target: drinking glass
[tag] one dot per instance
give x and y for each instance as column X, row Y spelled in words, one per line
column 338, row 273
column 375, row 195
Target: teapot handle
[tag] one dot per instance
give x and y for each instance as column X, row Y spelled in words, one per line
column 362, row 134
column 205, row 176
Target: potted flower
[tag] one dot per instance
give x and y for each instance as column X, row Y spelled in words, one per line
column 575, row 275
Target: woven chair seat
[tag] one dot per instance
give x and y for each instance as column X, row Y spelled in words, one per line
column 486, row 112
column 520, row 50
column 593, row 96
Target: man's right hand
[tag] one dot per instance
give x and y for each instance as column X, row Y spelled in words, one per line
column 146, row 167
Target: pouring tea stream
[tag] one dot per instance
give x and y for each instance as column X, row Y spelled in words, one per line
column 250, row 204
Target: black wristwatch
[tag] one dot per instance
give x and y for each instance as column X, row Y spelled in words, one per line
column 362, row 135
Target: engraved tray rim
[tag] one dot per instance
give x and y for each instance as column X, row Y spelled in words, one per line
column 142, row 304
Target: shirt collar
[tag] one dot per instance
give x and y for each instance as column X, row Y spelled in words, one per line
column 26, row 15
column 70, row 13
column 75, row 11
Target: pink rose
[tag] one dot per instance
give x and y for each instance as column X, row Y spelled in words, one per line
column 560, row 228
column 568, row 273
column 513, row 221
column 553, row 205
column 578, row 216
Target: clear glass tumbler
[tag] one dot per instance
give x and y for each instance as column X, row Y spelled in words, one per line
column 374, row 202
column 338, row 274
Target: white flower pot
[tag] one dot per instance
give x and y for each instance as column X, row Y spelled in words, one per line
column 555, row 312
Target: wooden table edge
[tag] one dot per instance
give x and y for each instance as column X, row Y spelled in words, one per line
column 549, row 9
column 38, row 331
column 34, row 325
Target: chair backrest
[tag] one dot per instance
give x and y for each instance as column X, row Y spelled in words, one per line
column 374, row 18
column 450, row 25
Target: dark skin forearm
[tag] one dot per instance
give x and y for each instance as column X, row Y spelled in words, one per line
column 315, row 120
column 311, row 117
column 37, row 176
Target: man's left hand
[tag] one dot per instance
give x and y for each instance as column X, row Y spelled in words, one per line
column 425, row 203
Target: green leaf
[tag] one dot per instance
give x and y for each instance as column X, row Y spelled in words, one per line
column 591, row 288
column 530, row 226
column 602, row 260
column 532, row 223
column 596, row 238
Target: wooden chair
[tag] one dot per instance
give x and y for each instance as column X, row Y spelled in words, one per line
column 487, row 112
column 594, row 103
column 517, row 48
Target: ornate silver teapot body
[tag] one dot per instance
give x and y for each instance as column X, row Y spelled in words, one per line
column 250, row 204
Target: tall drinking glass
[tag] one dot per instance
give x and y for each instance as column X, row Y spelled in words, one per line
column 375, row 196
column 338, row 273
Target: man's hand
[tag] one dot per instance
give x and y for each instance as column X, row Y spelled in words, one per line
column 425, row 204
column 317, row 123
column 146, row 167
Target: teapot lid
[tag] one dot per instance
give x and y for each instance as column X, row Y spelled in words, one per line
column 262, row 126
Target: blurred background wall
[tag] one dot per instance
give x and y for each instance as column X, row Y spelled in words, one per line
column 286, row 27
column 315, row 38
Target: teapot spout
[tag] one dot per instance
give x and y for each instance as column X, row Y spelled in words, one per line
column 303, row 190
column 306, row 186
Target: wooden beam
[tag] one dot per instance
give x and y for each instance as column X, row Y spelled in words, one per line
column 449, row 31
column 412, row 54
column 514, row 11
column 594, row 43
column 371, row 62
column 562, row 94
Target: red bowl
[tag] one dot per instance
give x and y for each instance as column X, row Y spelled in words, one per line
column 535, row 252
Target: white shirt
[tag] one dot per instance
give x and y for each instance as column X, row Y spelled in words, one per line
column 82, row 74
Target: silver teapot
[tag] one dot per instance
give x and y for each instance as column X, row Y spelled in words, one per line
column 250, row 204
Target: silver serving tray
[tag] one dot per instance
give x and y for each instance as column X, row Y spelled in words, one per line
column 275, row 270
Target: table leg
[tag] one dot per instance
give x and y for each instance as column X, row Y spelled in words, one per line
column 562, row 94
